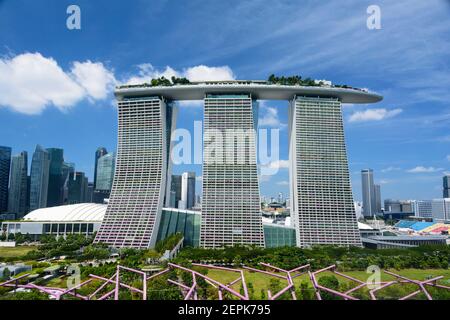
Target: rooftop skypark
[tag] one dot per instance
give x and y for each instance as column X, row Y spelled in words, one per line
column 272, row 80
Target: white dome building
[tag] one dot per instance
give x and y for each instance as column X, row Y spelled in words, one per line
column 80, row 218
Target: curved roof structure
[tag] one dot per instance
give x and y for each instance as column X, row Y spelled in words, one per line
column 73, row 212
column 258, row 90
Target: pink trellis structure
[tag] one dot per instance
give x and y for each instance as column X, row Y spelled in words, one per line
column 290, row 275
column 346, row 295
column 421, row 284
column 191, row 292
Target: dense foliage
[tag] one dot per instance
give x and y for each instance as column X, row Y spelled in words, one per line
column 169, row 243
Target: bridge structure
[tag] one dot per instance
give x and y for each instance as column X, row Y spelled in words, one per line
column 322, row 208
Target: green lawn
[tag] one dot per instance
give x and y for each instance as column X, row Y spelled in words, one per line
column 6, row 252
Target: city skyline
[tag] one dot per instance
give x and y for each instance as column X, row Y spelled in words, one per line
column 413, row 116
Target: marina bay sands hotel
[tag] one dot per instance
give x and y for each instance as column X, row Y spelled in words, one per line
column 322, row 208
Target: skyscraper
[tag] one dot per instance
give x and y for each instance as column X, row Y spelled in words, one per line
column 175, row 191
column 230, row 204
column 377, row 198
column 188, row 189
column 101, row 151
column 55, row 181
column 321, row 196
column 18, row 187
column 39, row 177
column 5, row 164
column 105, row 171
column 105, row 177
column 322, row 205
column 68, row 168
column 368, row 193
column 135, row 204
column 446, row 186
column 77, row 187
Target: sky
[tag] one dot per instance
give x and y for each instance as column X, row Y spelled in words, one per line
column 56, row 83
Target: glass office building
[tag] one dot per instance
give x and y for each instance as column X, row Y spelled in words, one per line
column 5, row 164
column 40, row 169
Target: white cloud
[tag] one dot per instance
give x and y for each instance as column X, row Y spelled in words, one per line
column 421, row 169
column 390, row 168
column 30, row 82
column 373, row 115
column 147, row 71
column 202, row 73
column 94, row 78
column 269, row 117
column 278, row 164
column 283, row 183
column 264, row 178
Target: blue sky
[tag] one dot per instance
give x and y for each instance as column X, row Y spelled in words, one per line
column 56, row 84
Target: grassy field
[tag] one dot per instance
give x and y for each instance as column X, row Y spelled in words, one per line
column 262, row 281
column 6, row 252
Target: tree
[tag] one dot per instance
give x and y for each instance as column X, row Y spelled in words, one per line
column 3, row 237
column 305, row 291
column 330, row 282
column 6, row 274
column 237, row 261
column 11, row 237
column 20, row 238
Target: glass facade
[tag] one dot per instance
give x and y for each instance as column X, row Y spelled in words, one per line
column 40, row 169
column 5, row 163
column 188, row 223
column 18, row 197
column 55, row 182
column 105, row 171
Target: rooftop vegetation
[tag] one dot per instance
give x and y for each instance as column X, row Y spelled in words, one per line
column 294, row 80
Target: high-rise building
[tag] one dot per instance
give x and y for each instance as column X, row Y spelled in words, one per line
column 39, row 177
column 18, row 186
column 55, row 181
column 231, row 212
column 137, row 196
column 5, row 164
column 321, row 196
column 100, row 152
column 188, row 189
column 90, row 192
column 322, row 205
column 377, row 198
column 398, row 206
column 68, row 168
column 105, row 171
column 423, row 208
column 77, row 188
column 368, row 193
column 175, row 192
column 446, row 186
column 280, row 198
column 440, row 209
